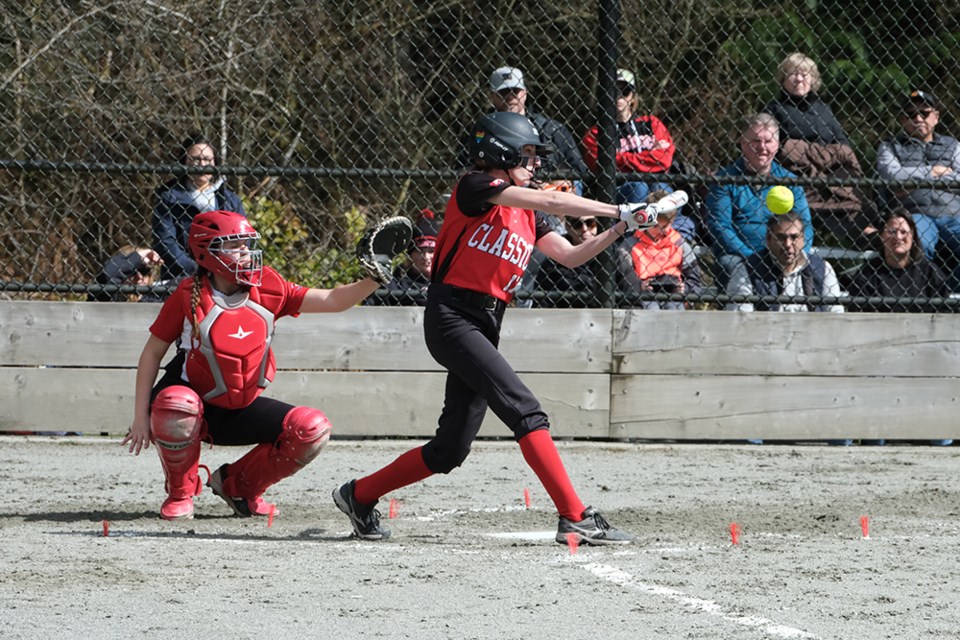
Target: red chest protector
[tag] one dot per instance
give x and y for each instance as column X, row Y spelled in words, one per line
column 233, row 363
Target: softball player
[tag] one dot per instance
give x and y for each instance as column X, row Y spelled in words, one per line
column 489, row 230
column 222, row 320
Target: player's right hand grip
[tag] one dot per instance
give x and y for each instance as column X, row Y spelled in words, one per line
column 638, row 215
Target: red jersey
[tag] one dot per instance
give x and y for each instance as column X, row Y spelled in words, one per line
column 232, row 363
column 482, row 246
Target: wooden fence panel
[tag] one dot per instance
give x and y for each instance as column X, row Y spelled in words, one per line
column 357, row 403
column 786, row 344
column 708, row 407
column 599, row 373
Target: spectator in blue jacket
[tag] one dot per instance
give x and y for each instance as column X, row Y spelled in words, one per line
column 180, row 199
column 737, row 214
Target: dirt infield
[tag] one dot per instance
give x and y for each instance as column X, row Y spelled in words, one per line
column 468, row 560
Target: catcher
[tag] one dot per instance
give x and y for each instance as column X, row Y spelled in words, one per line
column 222, row 321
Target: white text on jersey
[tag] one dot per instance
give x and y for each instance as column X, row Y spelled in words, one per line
column 507, row 246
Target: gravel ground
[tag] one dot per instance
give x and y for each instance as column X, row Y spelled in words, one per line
column 468, row 559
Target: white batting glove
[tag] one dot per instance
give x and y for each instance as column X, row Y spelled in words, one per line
column 638, row 215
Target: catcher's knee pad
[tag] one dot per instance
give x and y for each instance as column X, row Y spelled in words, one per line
column 305, row 432
column 176, row 417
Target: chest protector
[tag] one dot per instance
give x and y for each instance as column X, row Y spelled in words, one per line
column 233, row 362
column 663, row 256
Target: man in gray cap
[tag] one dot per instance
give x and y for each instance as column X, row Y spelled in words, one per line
column 509, row 93
column 920, row 153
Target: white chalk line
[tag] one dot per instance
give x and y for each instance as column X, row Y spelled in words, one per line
column 624, row 579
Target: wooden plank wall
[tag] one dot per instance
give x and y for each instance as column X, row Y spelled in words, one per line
column 599, row 373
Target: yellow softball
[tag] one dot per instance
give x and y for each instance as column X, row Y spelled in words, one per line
column 779, row 200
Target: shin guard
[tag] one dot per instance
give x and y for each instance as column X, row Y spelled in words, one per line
column 305, row 432
column 176, row 418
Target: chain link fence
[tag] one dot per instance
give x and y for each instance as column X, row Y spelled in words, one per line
column 324, row 116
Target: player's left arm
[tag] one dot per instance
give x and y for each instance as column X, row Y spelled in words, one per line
column 339, row 298
column 558, row 248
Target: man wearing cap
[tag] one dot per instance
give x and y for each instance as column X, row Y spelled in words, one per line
column 509, row 93
column 920, row 153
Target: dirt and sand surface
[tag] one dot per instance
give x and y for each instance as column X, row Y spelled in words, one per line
column 468, row 559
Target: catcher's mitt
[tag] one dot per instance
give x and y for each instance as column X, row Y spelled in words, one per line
column 381, row 244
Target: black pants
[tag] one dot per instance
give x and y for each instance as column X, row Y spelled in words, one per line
column 463, row 337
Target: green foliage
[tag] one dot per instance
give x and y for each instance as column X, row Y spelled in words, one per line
column 314, row 257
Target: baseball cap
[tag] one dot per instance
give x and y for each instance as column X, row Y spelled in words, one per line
column 425, row 231
column 424, row 242
column 507, row 78
column 919, row 97
column 626, row 77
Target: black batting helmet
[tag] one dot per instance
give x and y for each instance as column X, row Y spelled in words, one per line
column 497, row 139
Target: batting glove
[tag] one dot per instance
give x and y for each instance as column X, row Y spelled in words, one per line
column 638, row 215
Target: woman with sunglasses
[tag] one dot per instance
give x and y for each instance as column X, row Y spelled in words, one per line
column 920, row 152
column 492, row 222
column 643, row 145
column 564, row 288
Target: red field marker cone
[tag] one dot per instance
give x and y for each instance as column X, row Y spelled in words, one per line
column 735, row 533
column 106, row 529
column 865, row 526
column 394, row 508
column 573, row 541
column 526, row 497
column 270, row 516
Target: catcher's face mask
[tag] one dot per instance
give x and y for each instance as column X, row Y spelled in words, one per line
column 238, row 258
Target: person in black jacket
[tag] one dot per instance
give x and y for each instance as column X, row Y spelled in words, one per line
column 137, row 266
column 814, row 144
column 565, row 288
column 508, row 92
column 900, row 271
column 180, row 199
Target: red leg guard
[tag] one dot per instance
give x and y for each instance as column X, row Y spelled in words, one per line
column 305, row 432
column 176, row 418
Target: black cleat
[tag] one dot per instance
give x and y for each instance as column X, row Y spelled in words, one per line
column 592, row 529
column 364, row 519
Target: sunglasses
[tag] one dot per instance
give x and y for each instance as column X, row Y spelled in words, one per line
column 506, row 93
column 923, row 113
column 582, row 223
column 625, row 90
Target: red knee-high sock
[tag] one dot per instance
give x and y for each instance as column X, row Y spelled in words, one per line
column 406, row 469
column 541, row 454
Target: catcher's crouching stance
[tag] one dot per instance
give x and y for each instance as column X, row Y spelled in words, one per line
column 222, row 321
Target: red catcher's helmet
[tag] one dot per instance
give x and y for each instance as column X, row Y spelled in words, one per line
column 209, row 232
